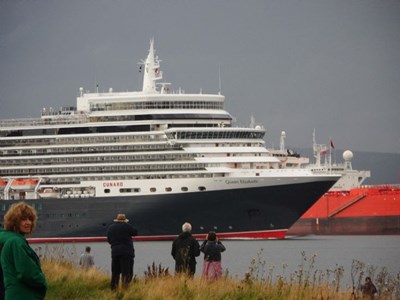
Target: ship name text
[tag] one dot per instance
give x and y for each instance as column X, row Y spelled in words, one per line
column 113, row 184
column 241, row 181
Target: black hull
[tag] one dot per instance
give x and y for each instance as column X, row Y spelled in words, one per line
column 233, row 212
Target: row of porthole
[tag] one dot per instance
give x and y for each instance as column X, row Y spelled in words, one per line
column 153, row 189
column 62, row 226
column 65, row 215
column 215, row 228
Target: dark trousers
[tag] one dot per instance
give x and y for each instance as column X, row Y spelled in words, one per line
column 121, row 265
column 189, row 269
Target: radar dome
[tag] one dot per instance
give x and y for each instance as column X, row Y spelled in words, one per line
column 347, row 155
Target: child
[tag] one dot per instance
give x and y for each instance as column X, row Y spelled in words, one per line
column 86, row 261
column 212, row 248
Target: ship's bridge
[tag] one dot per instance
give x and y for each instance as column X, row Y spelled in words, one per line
column 135, row 101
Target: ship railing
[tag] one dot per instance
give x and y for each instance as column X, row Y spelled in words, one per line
column 382, row 186
column 94, row 145
column 41, row 122
column 147, row 169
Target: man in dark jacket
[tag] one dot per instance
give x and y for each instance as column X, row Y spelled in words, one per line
column 185, row 248
column 119, row 236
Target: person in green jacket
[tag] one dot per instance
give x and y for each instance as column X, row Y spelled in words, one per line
column 22, row 275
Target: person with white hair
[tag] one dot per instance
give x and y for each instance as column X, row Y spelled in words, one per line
column 185, row 249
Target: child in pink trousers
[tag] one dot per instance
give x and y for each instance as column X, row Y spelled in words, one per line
column 212, row 248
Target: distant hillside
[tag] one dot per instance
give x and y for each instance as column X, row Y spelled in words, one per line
column 384, row 167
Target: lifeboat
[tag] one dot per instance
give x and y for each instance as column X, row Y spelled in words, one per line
column 49, row 193
column 3, row 184
column 24, row 184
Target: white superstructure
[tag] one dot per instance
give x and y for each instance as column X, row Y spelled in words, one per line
column 112, row 143
column 349, row 178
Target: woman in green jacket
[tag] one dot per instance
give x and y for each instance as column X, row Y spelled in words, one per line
column 23, row 276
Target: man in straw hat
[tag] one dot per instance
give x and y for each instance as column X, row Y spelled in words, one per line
column 119, row 236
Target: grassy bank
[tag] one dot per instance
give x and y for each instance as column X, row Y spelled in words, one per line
column 67, row 281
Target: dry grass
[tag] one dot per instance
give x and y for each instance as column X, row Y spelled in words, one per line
column 67, row 281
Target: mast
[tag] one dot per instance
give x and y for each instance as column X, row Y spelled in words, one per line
column 282, row 141
column 318, row 149
column 152, row 71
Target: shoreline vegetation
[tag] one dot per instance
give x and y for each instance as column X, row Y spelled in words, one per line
column 67, row 280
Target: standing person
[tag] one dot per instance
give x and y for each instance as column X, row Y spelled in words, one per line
column 368, row 289
column 119, row 236
column 23, row 276
column 185, row 248
column 212, row 248
column 86, row 260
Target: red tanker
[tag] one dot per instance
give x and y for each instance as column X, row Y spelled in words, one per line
column 361, row 210
column 350, row 207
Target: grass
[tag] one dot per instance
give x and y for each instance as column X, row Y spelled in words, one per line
column 67, row 281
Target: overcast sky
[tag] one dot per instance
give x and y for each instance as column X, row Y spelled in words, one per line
column 293, row 65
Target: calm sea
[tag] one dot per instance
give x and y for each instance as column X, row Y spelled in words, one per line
column 282, row 257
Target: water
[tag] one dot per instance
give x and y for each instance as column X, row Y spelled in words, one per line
column 330, row 252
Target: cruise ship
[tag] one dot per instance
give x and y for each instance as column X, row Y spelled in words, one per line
column 161, row 156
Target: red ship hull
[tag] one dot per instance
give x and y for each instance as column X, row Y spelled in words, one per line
column 363, row 210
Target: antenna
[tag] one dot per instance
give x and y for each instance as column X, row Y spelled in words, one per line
column 219, row 79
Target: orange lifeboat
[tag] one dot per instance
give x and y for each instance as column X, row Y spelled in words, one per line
column 3, row 184
column 24, row 184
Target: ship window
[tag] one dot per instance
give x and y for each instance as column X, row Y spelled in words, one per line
column 184, row 189
column 202, row 188
column 168, row 189
column 153, row 189
column 106, row 191
column 254, row 212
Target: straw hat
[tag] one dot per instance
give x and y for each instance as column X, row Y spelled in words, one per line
column 121, row 218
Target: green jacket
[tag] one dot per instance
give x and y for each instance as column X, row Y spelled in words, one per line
column 23, row 276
